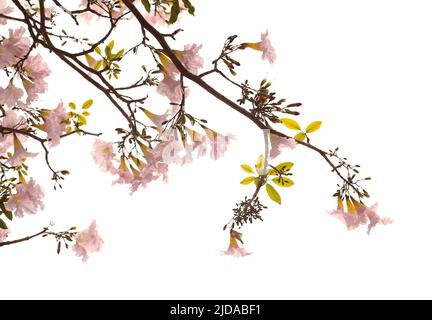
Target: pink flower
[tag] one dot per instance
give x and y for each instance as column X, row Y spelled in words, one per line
column 103, row 155
column 158, row 18
column 156, row 118
column 190, row 58
column 218, row 143
column 27, row 199
column 374, row 219
column 4, row 234
column 4, row 9
column 267, row 49
column 234, row 249
column 14, row 48
column 358, row 214
column 87, row 241
column 10, row 120
column 37, row 70
column 10, row 95
column 55, row 124
column 171, row 89
column 277, row 143
column 19, row 153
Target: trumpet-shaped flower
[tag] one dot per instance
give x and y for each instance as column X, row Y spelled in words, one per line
column 103, row 155
column 19, row 153
column 87, row 241
column 277, row 143
column 14, row 48
column 27, row 199
column 10, row 95
column 55, row 124
column 234, row 249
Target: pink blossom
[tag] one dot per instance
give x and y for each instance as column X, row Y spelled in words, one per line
column 10, row 120
column 103, row 155
column 14, row 48
column 19, row 153
column 171, row 89
column 268, row 52
column 218, row 143
column 374, row 219
column 27, row 199
column 277, row 143
column 37, row 70
column 156, row 118
column 358, row 214
column 158, row 18
column 87, row 241
column 190, row 58
column 234, row 249
column 55, row 124
column 4, row 9
column 10, row 95
column 4, row 234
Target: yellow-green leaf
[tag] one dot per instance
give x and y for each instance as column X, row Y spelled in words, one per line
column 97, row 50
column 247, row 180
column 283, row 182
column 146, row 4
column 273, row 194
column 314, row 126
column 87, row 104
column 260, row 164
column 82, row 120
column 111, row 44
column 72, row 105
column 300, row 136
column 86, row 113
column 247, row 168
column 97, row 65
column 285, row 166
column 291, row 124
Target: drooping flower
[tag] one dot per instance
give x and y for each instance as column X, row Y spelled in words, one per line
column 234, row 249
column 87, row 241
column 55, row 125
column 14, row 48
column 10, row 95
column 277, row 143
column 171, row 89
column 190, row 58
column 19, row 153
column 218, row 143
column 37, row 70
column 265, row 46
column 4, row 234
column 357, row 214
column 103, row 155
column 27, row 199
column 11, row 120
column 4, row 9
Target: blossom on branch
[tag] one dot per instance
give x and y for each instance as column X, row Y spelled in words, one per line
column 234, row 249
column 37, row 70
column 14, row 48
column 278, row 142
column 265, row 46
column 4, row 9
column 27, row 199
column 10, row 95
column 19, row 153
column 103, row 155
column 358, row 214
column 54, row 124
column 87, row 241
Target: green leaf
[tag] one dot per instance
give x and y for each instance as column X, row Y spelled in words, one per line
column 97, row 65
column 146, row 4
column 300, row 136
column 87, row 104
column 72, row 105
column 175, row 10
column 247, row 168
column 111, row 44
column 98, row 50
column 291, row 124
column 189, row 6
column 314, row 126
column 6, row 212
column 3, row 224
column 283, row 182
column 118, row 55
column 285, row 166
column 247, row 180
column 273, row 194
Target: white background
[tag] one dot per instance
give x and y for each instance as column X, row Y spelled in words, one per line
column 363, row 67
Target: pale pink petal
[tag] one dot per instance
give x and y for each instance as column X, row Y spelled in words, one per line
column 87, row 241
column 268, row 52
column 277, row 143
column 27, row 199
